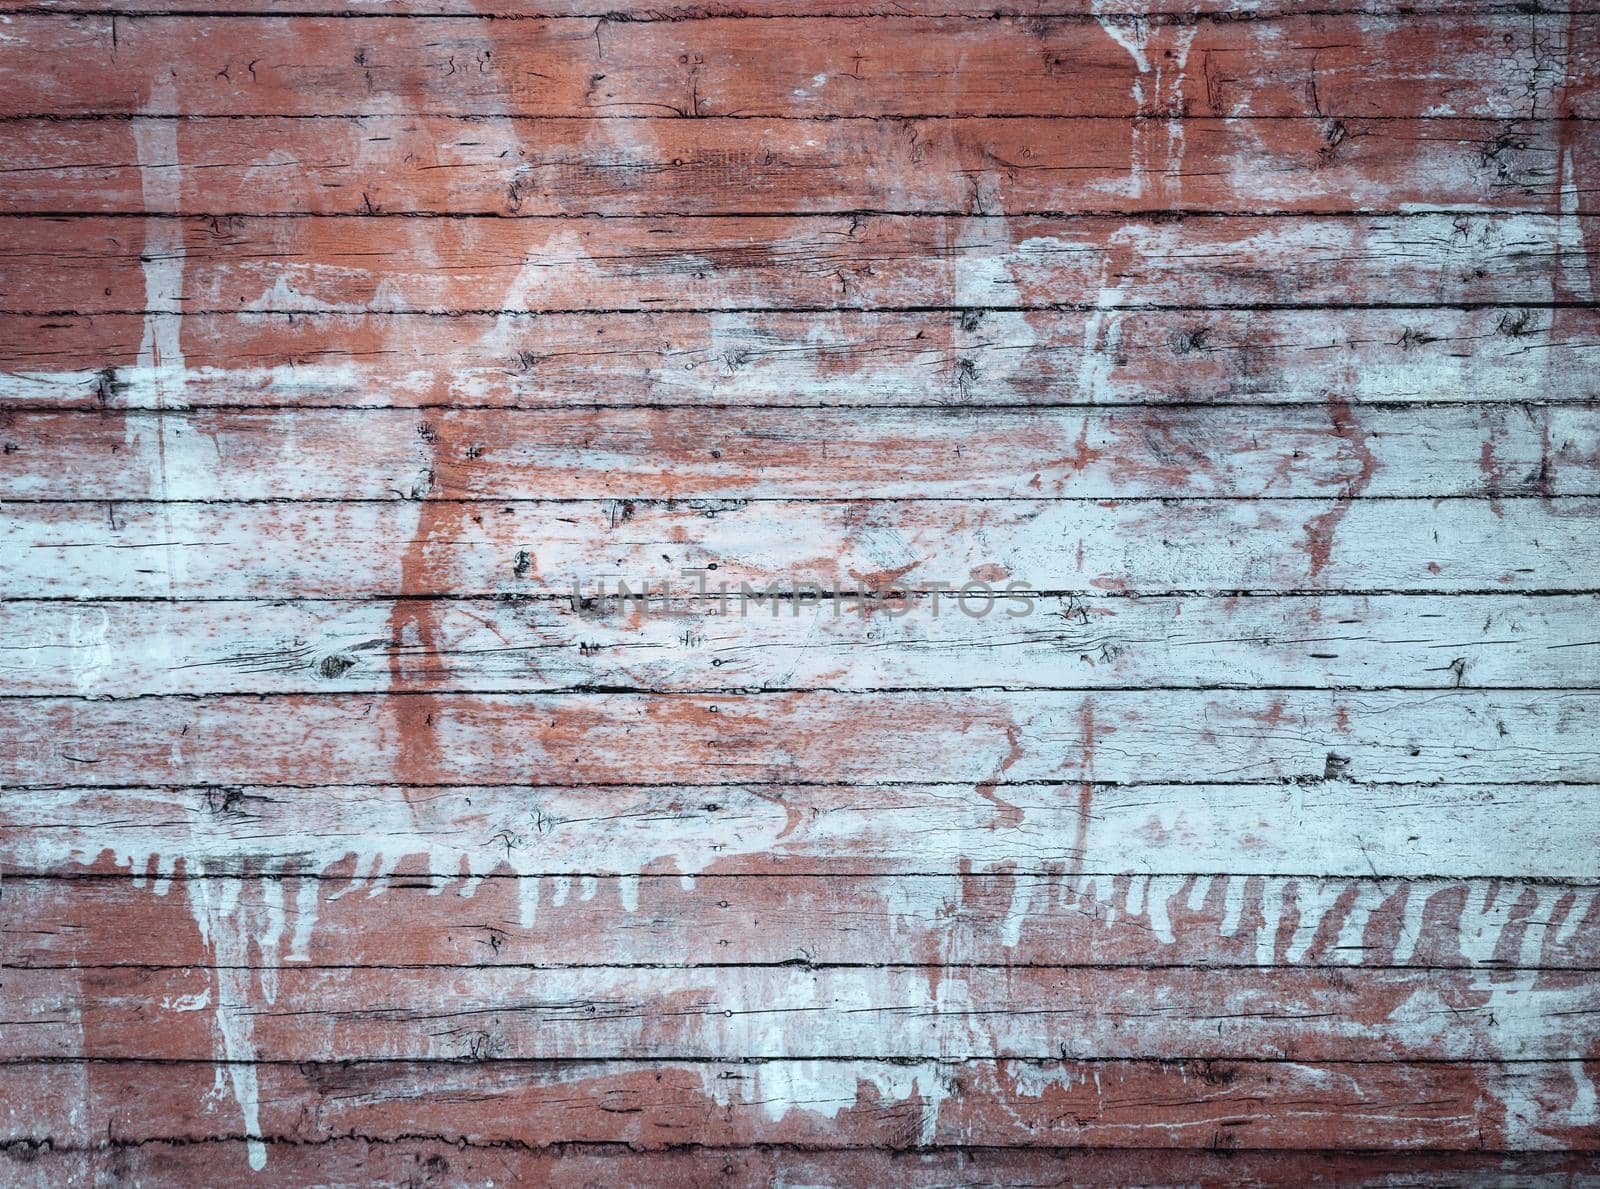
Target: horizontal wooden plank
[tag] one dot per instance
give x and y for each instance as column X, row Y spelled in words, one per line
column 956, row 919
column 844, row 358
column 1503, row 66
column 378, row 454
column 1263, row 1106
column 690, row 10
column 121, row 649
column 416, row 548
column 382, row 864
column 376, row 835
column 803, row 454
column 1111, row 735
column 355, row 1162
column 375, row 265
column 421, row 164
column 318, row 1014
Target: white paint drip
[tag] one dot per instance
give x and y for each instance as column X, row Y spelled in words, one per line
column 281, row 297
column 231, row 926
column 829, row 1088
column 229, row 939
column 1585, row 1108
column 88, row 648
column 162, row 259
column 1572, row 253
column 1102, row 335
column 1021, row 896
column 1163, row 97
column 161, row 358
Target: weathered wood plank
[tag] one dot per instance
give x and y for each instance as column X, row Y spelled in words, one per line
column 1505, row 66
column 793, row 454
column 318, row 1014
column 125, row 264
column 122, row 649
column 409, row 165
column 359, row 1162
column 356, row 550
column 1111, row 735
column 834, row 1104
column 1127, row 11
column 845, row 358
column 266, row 847
column 369, row 835
column 1001, row 919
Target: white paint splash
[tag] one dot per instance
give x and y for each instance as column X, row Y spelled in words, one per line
column 162, row 259
column 160, row 359
column 241, row 930
column 1163, row 97
column 1572, row 252
column 225, row 930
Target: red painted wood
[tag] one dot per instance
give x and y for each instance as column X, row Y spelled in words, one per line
column 1362, row 1014
column 362, row 1161
column 1098, row 547
column 294, row 265
column 546, row 644
column 791, row 454
column 983, row 738
column 344, row 845
column 408, row 165
column 841, row 358
column 1214, row 839
column 762, row 918
column 1425, row 1107
column 1506, row 65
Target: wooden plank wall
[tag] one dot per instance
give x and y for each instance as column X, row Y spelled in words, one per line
column 1252, row 346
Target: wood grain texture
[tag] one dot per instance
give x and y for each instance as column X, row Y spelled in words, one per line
column 357, row 550
column 1362, row 1013
column 372, row 836
column 842, row 1103
column 360, row 1161
column 998, row 919
column 1500, row 66
column 1129, row 11
column 120, row 649
column 353, row 835
column 656, row 455
column 95, row 265
column 711, row 166
column 1114, row 735
column 846, row 359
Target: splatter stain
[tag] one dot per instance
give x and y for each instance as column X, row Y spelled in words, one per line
column 1320, row 530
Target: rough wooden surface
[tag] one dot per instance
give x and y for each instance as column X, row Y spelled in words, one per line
column 363, row 1161
column 457, row 165
column 366, row 835
column 306, row 646
column 786, row 454
column 285, row 264
column 1116, row 547
column 1509, row 65
column 854, row 1104
column 971, row 358
column 354, row 832
column 768, row 918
